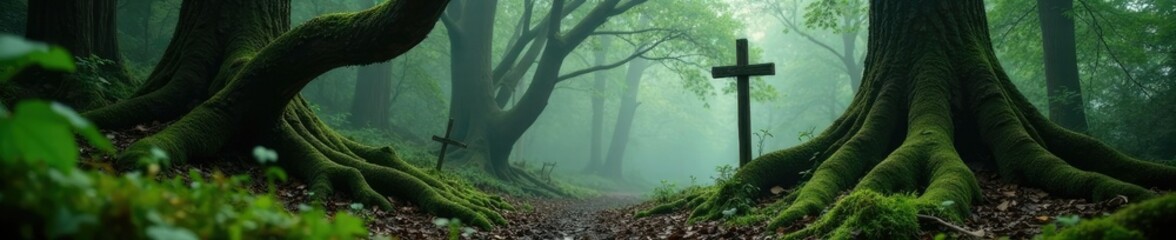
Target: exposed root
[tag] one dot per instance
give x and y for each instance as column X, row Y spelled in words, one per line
column 940, row 221
column 926, row 76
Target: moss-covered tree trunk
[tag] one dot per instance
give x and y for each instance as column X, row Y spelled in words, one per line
column 85, row 28
column 933, row 96
column 231, row 77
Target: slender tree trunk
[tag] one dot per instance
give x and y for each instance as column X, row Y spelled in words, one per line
column 599, row 87
column 853, row 66
column 1066, row 106
column 628, row 110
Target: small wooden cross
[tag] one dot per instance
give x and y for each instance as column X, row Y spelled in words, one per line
column 548, row 167
column 445, row 142
column 742, row 72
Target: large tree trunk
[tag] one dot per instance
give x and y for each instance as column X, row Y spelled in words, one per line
column 1061, row 64
column 933, row 95
column 236, row 61
column 625, row 115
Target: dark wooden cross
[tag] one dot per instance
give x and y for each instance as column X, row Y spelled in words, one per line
column 548, row 167
column 742, row 71
column 445, row 142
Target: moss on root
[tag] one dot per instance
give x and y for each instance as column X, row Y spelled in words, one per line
column 930, row 72
column 866, row 215
column 1150, row 219
column 248, row 90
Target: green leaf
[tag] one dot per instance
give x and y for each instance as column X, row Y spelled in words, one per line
column 276, row 173
column 84, row 127
column 347, row 225
column 67, row 223
column 264, row 155
column 16, row 53
column 160, row 232
column 42, row 135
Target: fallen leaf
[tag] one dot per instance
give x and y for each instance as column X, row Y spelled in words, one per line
column 1003, row 206
column 1043, row 218
column 777, row 190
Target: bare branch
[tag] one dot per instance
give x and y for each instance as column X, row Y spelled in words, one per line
column 636, row 54
column 632, row 32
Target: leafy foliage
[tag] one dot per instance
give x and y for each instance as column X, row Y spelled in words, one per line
column 40, row 184
column 16, row 53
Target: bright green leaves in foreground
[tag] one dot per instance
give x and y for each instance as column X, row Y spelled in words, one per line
column 16, row 53
column 82, row 204
column 39, row 132
column 41, row 185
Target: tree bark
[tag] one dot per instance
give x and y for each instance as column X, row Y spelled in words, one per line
column 1066, row 106
column 933, row 90
column 13, row 19
column 373, row 95
column 237, row 60
column 85, row 28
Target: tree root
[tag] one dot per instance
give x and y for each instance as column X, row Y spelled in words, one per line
column 940, row 221
column 897, row 144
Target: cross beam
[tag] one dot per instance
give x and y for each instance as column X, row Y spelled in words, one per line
column 742, row 71
column 445, row 142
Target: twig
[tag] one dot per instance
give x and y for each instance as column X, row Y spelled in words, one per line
column 977, row 233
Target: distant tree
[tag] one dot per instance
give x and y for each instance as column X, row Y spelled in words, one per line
column 481, row 89
column 85, row 28
column 844, row 18
column 1061, row 64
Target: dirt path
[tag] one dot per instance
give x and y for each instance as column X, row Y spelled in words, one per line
column 563, row 219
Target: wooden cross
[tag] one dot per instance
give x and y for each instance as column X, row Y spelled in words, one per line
column 445, row 142
column 742, row 72
column 546, row 170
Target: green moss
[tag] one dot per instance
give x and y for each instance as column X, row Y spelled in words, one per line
column 1150, row 219
column 866, row 215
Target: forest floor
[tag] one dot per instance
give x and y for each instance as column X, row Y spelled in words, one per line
column 1006, row 210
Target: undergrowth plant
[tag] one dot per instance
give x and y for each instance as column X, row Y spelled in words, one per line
column 41, row 186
